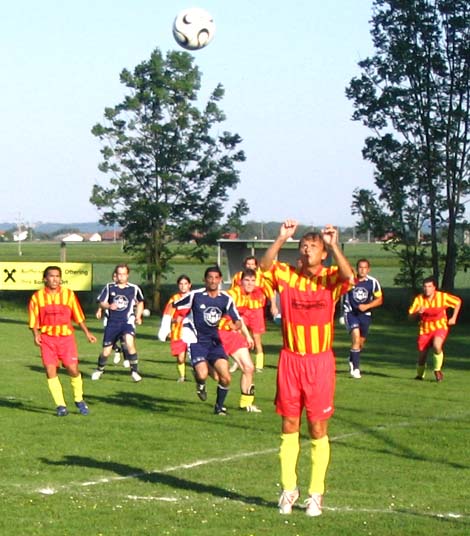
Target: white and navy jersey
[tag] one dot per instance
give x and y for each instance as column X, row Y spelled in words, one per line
column 126, row 299
column 362, row 292
column 205, row 312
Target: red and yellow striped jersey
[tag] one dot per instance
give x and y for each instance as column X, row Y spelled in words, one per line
column 260, row 283
column 52, row 312
column 243, row 302
column 176, row 327
column 308, row 306
column 434, row 315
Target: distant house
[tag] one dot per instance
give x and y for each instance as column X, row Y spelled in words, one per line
column 74, row 237
column 95, row 237
column 111, row 236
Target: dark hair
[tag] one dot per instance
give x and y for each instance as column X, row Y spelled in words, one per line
column 212, row 269
column 313, row 236
column 250, row 258
column 430, row 279
column 181, row 277
column 122, row 265
column 248, row 272
column 58, row 268
column 362, row 260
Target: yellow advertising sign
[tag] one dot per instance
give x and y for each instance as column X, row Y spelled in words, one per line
column 28, row 275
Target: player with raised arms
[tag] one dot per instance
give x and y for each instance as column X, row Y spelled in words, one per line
column 308, row 293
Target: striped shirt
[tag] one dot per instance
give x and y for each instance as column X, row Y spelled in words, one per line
column 434, row 316
column 260, row 282
column 176, row 327
column 52, row 312
column 307, row 305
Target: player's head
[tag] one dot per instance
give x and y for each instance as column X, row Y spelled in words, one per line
column 248, row 280
column 122, row 273
column 312, row 250
column 184, row 283
column 429, row 286
column 52, row 276
column 250, row 262
column 212, row 277
column 362, row 267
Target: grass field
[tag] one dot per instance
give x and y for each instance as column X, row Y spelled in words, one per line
column 151, row 459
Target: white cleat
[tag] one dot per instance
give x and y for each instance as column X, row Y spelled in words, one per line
column 136, row 376
column 252, row 409
column 97, row 375
column 287, row 501
column 314, row 505
column 117, row 358
column 356, row 374
column 234, row 367
column 126, row 363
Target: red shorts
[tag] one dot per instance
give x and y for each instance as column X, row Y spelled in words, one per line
column 306, row 381
column 254, row 320
column 425, row 340
column 232, row 341
column 178, row 347
column 56, row 349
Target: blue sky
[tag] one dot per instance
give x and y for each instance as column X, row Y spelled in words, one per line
column 284, row 66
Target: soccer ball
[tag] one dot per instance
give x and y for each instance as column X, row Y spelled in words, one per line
column 146, row 312
column 193, row 28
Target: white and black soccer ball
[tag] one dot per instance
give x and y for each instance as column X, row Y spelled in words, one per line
column 193, row 28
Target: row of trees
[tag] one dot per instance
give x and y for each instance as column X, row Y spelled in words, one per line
column 170, row 167
column 414, row 96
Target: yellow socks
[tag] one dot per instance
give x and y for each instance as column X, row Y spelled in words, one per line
column 181, row 367
column 77, row 388
column 246, row 400
column 55, row 388
column 288, row 455
column 260, row 361
column 438, row 359
column 320, row 456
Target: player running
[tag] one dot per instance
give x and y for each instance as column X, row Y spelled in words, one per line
column 430, row 308
column 358, row 302
column 204, row 309
column 120, row 299
column 171, row 325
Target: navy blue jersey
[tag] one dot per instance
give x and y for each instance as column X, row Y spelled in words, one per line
column 126, row 299
column 206, row 312
column 362, row 292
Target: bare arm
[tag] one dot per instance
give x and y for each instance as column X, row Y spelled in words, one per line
column 89, row 336
column 330, row 237
column 286, row 231
column 453, row 319
column 377, row 302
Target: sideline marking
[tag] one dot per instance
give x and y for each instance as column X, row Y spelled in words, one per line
column 346, row 509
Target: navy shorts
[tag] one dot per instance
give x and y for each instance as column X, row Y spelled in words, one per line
column 360, row 321
column 114, row 332
column 208, row 351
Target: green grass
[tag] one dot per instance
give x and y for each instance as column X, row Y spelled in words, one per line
column 152, row 459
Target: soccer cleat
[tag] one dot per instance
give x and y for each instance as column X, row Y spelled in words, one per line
column 220, row 410
column 438, row 375
column 356, row 374
column 418, row 377
column 251, row 409
column 82, row 407
column 117, row 357
column 201, row 391
column 314, row 505
column 181, row 379
column 287, row 501
column 136, row 376
column 234, row 367
column 62, row 411
column 97, row 374
column 351, row 367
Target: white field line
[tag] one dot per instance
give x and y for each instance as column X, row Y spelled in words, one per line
column 47, row 490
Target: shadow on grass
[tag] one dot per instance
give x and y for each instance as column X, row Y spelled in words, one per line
column 22, row 406
column 165, row 479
